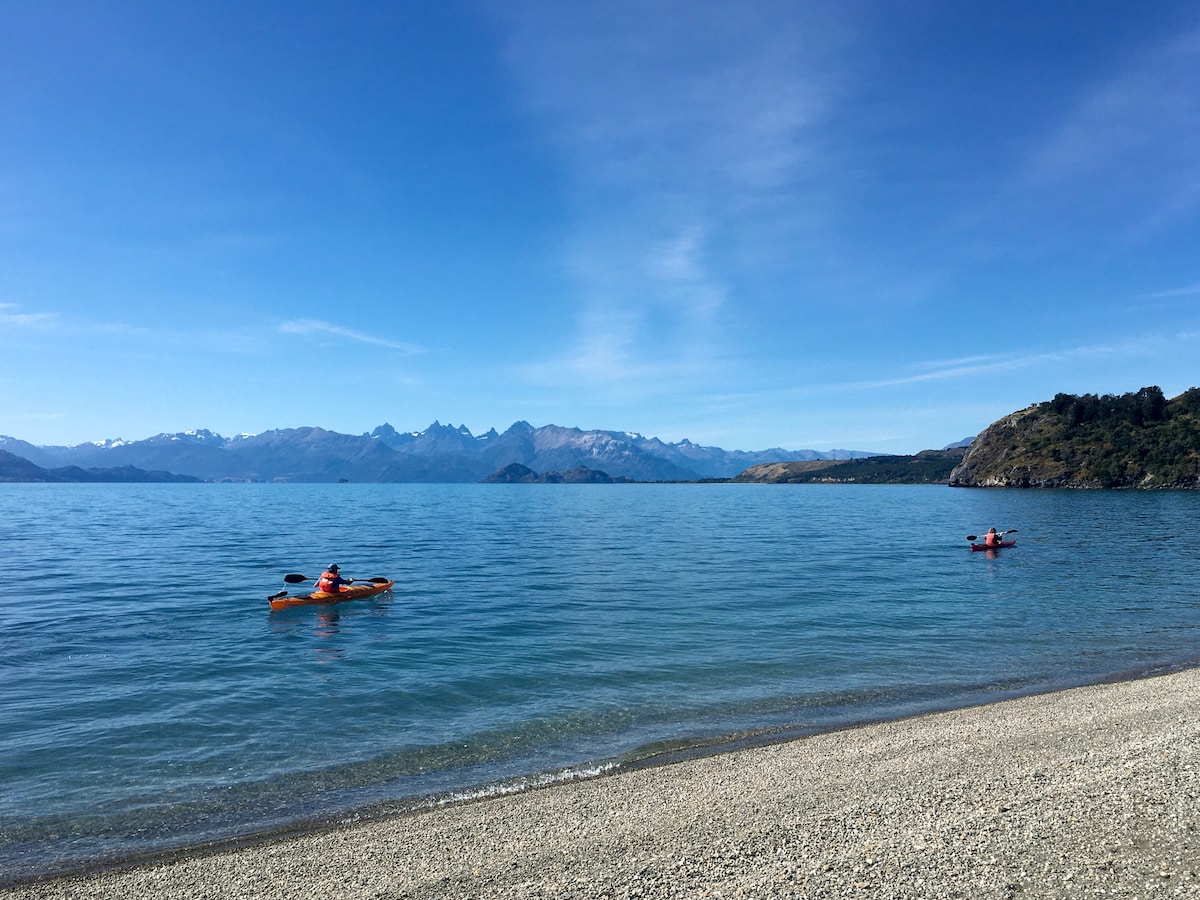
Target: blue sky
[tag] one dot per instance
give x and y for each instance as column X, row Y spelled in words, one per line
column 872, row 226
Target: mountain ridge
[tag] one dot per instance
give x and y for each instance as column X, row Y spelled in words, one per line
column 15, row 468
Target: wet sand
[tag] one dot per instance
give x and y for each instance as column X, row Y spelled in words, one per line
column 1092, row 792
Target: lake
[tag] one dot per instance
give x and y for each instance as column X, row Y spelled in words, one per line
column 535, row 633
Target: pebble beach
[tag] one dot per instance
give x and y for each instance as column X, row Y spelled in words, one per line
column 1089, row 792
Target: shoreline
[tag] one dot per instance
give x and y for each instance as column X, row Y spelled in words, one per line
column 1089, row 789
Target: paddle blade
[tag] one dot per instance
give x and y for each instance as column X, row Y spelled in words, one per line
column 295, row 579
column 972, row 537
column 1011, row 531
column 378, row 580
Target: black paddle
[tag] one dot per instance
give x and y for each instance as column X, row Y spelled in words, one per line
column 298, row 579
column 972, row 537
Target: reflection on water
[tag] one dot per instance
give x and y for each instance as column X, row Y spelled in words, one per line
column 327, row 629
column 331, row 626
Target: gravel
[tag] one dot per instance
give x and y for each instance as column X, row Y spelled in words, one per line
column 1092, row 792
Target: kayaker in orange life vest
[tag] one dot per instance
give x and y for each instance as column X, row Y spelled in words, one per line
column 992, row 538
column 331, row 582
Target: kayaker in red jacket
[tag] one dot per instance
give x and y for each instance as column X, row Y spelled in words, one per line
column 331, row 582
column 993, row 538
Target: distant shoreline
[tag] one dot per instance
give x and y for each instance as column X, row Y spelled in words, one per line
column 1066, row 791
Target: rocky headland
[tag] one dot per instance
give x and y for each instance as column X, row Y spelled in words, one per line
column 1135, row 440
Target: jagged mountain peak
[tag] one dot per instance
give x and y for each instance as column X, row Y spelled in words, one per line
column 383, row 431
column 194, row 435
column 438, row 428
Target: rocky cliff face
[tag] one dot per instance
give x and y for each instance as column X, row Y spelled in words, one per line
column 1003, row 456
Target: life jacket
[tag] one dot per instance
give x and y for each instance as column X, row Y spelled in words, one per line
column 993, row 538
column 330, row 582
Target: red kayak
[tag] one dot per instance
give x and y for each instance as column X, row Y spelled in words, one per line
column 354, row 592
column 999, row 546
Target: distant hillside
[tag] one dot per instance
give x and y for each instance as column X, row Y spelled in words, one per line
column 1135, row 440
column 926, row 467
column 18, row 469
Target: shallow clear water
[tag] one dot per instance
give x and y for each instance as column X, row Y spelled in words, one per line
column 150, row 699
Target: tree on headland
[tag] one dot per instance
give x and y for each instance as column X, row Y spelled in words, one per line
column 1144, row 407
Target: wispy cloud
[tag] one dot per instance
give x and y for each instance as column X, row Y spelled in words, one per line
column 658, row 95
column 674, row 126
column 1132, row 143
column 1023, row 376
column 1191, row 291
column 978, row 367
column 942, row 365
column 64, row 325
column 679, row 272
column 676, row 260
column 67, row 326
column 607, row 356
column 650, row 311
column 316, row 326
column 10, row 317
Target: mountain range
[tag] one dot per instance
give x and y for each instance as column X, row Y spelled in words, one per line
column 440, row 453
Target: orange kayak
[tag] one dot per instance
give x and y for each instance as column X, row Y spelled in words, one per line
column 354, row 592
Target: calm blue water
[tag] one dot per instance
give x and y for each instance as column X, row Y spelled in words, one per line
column 150, row 699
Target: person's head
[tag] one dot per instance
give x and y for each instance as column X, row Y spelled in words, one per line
column 334, row 566
column 990, row 531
